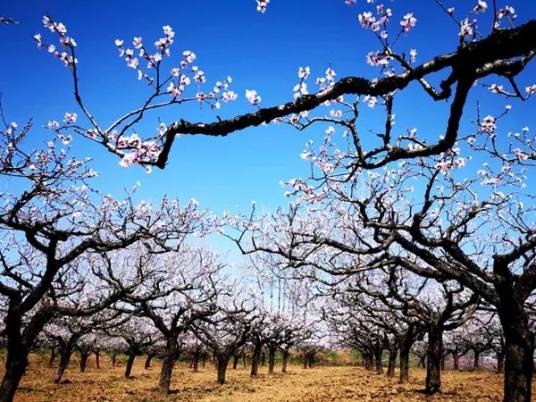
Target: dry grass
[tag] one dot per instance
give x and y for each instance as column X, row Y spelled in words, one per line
column 317, row 384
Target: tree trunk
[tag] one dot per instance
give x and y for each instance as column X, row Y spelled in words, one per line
column 476, row 360
column 392, row 363
column 405, row 346
column 65, row 358
column 519, row 350
column 18, row 345
column 148, row 361
column 456, row 360
column 130, row 362
column 53, row 355
column 97, row 358
column 168, row 363
column 235, row 361
column 285, row 360
column 114, row 359
column 263, row 359
column 500, row 363
column 433, row 360
column 271, row 360
column 83, row 361
column 223, row 360
column 255, row 359
column 378, row 352
column 443, row 359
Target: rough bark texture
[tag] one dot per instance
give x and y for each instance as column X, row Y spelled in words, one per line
column 223, row 360
column 148, row 361
column 83, row 361
column 433, row 360
column 271, row 360
column 130, row 362
column 284, row 361
column 167, row 365
column 255, row 359
column 392, row 363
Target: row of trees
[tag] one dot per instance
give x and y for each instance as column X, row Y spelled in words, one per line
column 425, row 228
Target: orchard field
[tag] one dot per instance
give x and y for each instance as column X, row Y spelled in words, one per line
column 319, row 384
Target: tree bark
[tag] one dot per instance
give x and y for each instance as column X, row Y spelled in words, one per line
column 378, row 352
column 235, row 361
column 433, row 360
column 519, row 350
column 170, row 356
column 65, row 358
column 284, row 360
column 405, row 346
column 271, row 360
column 223, row 360
column 392, row 363
column 148, row 361
column 130, row 362
column 97, row 358
column 114, row 359
column 476, row 359
column 255, row 359
column 83, row 361
column 500, row 363
column 456, row 360
column 53, row 355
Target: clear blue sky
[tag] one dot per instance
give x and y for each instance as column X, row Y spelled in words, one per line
column 262, row 52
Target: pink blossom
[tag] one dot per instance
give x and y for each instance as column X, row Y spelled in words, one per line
column 480, row 7
column 253, row 97
column 70, row 117
column 304, row 72
column 408, row 22
column 261, row 5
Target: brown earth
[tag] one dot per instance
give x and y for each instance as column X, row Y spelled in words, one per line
column 317, row 384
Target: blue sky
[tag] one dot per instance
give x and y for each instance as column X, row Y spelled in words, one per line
column 262, row 52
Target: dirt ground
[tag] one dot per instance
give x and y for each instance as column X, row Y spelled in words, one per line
column 317, row 384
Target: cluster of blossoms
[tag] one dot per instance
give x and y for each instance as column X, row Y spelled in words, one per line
column 220, row 92
column 408, row 22
column 488, row 125
column 375, row 23
column 300, row 89
column 530, row 90
column 378, row 58
column 480, row 7
column 253, row 97
column 467, row 28
column 133, row 55
column 67, row 43
column 328, row 80
column 261, row 5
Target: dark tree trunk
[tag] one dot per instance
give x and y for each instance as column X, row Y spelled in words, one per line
column 263, row 359
column 65, row 358
column 148, row 361
column 519, row 350
column 378, row 352
column 114, row 359
column 476, row 360
column 284, row 360
column 271, row 360
column 170, row 356
column 433, row 360
column 311, row 360
column 97, row 358
column 83, row 361
column 456, row 360
column 16, row 362
column 392, row 363
column 443, row 359
column 422, row 361
column 255, row 359
column 18, row 346
column 405, row 346
column 195, row 361
column 53, row 354
column 223, row 360
column 500, row 363
column 235, row 361
column 130, row 362
column 244, row 359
